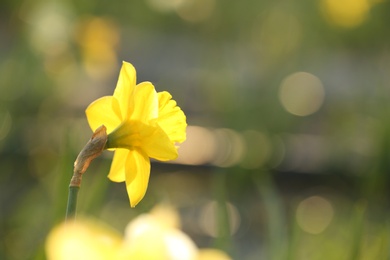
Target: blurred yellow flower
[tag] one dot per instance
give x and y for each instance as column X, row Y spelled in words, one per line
column 82, row 239
column 156, row 235
column 149, row 236
column 141, row 124
column 98, row 38
column 346, row 13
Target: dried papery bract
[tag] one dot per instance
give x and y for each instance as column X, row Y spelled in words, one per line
column 91, row 150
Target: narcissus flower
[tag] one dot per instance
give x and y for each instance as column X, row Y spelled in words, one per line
column 141, row 124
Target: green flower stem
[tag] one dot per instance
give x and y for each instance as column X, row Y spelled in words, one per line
column 72, row 202
column 91, row 150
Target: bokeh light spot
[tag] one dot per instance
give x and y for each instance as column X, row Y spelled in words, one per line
column 50, row 27
column 199, row 147
column 346, row 13
column 208, row 219
column 301, row 94
column 231, row 147
column 196, row 10
column 314, row 214
column 164, row 5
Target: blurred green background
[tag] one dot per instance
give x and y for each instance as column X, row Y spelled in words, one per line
column 288, row 147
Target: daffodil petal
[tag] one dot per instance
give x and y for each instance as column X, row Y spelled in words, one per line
column 103, row 111
column 117, row 170
column 124, row 88
column 145, row 102
column 171, row 118
column 156, row 143
column 137, row 175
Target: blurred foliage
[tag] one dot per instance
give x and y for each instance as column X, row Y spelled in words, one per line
column 224, row 62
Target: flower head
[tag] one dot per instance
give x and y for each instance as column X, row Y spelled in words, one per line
column 141, row 124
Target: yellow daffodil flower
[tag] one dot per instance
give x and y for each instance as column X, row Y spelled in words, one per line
column 141, row 124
